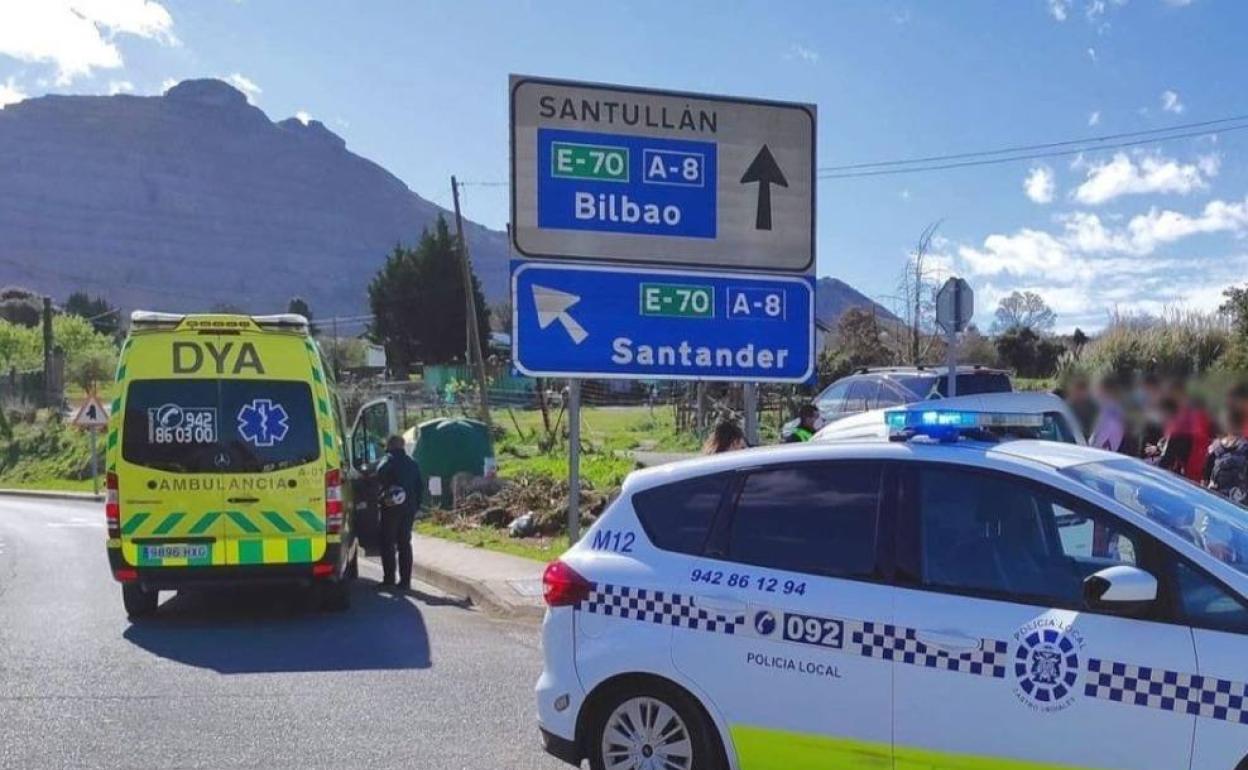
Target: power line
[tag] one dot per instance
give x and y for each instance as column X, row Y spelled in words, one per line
column 1092, row 140
column 1015, row 158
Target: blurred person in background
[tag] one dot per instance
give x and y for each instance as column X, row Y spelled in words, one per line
column 1149, row 423
column 727, row 437
column 1078, row 396
column 1111, row 431
column 1188, row 433
column 807, row 424
column 1226, row 464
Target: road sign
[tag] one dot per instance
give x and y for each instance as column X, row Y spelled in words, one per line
column 955, row 305
column 608, row 322
column 612, row 173
column 91, row 415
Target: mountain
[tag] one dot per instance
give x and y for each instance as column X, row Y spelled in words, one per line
column 195, row 198
column 833, row 297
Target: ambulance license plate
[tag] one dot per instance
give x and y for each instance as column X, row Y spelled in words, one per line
column 174, row 551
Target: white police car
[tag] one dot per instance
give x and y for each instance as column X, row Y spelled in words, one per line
column 939, row 602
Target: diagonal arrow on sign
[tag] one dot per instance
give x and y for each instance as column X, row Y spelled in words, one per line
column 552, row 305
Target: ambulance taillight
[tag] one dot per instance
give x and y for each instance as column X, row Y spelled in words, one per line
column 112, row 505
column 333, row 502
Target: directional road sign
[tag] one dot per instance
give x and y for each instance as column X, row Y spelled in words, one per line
column 611, row 173
column 571, row 320
column 91, row 415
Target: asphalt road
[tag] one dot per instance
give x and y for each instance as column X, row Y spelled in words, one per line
column 245, row 679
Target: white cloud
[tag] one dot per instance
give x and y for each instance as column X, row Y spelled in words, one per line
column 78, row 36
column 905, row 194
column 803, row 53
column 10, row 92
column 167, row 83
column 1092, row 55
column 1170, row 102
column 304, row 117
column 120, row 87
column 1147, row 231
column 1094, row 118
column 246, row 85
column 1059, row 9
column 1151, row 174
column 1179, row 3
column 1039, row 184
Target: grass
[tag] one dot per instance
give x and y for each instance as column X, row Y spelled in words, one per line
column 542, row 549
column 52, row 484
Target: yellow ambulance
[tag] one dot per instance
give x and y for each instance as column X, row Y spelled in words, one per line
column 228, row 460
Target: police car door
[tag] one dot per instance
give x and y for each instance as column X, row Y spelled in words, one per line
column 998, row 663
column 790, row 581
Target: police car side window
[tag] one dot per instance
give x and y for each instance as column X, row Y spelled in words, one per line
column 817, row 518
column 982, row 533
column 678, row 517
column 1206, row 604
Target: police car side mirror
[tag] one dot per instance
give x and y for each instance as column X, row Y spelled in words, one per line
column 1121, row 589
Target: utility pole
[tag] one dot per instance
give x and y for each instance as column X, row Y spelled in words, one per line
column 48, row 385
column 470, row 302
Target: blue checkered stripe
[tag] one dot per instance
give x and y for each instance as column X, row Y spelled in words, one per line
column 1157, row 688
column 661, row 607
column 889, row 642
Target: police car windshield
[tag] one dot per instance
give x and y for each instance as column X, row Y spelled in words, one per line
column 219, row 426
column 969, row 384
column 1210, row 522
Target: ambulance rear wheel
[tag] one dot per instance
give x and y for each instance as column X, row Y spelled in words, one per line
column 138, row 602
column 651, row 725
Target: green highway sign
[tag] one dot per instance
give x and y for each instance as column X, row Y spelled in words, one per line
column 677, row 300
column 570, row 160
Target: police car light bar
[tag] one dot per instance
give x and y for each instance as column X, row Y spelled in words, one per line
column 948, row 424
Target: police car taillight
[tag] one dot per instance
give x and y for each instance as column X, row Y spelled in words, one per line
column 333, row 501
column 562, row 586
column 112, row 505
column 948, row 424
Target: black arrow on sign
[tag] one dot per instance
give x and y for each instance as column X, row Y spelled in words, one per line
column 763, row 169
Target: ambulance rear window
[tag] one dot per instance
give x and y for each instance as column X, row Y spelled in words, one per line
column 219, row 426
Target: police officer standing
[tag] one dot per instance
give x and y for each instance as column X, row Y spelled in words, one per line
column 398, row 476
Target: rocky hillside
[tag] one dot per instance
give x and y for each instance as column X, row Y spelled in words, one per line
column 196, row 198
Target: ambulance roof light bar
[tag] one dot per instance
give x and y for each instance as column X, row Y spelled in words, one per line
column 947, row 425
column 148, row 319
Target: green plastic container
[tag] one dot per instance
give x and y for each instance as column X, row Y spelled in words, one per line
column 446, row 446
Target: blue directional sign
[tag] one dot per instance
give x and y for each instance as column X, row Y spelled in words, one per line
column 605, row 322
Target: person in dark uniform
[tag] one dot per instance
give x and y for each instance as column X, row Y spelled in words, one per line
column 399, row 482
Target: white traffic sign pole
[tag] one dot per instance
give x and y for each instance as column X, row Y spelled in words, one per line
column 951, row 360
column 749, row 403
column 574, row 460
column 95, row 465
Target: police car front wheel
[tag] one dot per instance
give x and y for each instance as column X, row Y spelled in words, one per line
column 654, row 728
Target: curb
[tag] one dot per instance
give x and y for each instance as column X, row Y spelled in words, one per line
column 48, row 494
column 479, row 592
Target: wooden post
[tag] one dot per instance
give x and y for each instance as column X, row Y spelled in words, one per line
column 470, row 303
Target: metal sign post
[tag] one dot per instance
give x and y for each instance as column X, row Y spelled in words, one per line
column 92, row 417
column 574, row 460
column 955, row 306
column 749, row 405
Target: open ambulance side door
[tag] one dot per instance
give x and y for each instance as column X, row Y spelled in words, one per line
column 376, row 420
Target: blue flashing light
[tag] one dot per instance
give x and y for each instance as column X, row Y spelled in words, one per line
column 948, row 424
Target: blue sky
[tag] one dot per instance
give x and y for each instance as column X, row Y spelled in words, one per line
column 421, row 88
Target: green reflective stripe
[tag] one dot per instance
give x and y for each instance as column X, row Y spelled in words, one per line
column 276, row 520
column 323, row 406
column 312, row 520
column 760, row 748
column 328, row 439
column 134, row 522
column 242, row 522
column 121, row 372
column 316, row 374
column 250, row 551
column 169, row 523
column 205, row 521
column 112, row 439
column 298, row 550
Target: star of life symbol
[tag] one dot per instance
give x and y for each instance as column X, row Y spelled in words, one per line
column 263, row 422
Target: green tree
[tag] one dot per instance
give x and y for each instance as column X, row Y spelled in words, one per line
column 104, row 317
column 417, row 300
column 1024, row 310
column 299, row 306
column 21, row 306
column 1027, row 353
